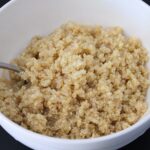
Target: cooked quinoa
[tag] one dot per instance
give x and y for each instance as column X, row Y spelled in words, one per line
column 78, row 82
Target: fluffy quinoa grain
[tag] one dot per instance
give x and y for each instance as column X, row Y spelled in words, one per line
column 82, row 82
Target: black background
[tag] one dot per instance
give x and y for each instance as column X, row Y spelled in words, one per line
column 8, row 143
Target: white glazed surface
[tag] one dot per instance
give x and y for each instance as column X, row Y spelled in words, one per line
column 20, row 20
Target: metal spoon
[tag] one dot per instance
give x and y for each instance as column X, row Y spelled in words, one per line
column 10, row 67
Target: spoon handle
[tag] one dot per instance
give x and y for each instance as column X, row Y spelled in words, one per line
column 10, row 67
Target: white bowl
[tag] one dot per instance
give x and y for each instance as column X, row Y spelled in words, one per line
column 22, row 19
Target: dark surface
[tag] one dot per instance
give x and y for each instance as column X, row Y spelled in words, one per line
column 8, row 143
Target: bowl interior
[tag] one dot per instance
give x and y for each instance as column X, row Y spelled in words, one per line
column 21, row 20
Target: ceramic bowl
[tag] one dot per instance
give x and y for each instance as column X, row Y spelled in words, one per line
column 20, row 20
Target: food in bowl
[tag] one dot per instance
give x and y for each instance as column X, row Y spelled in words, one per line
column 78, row 82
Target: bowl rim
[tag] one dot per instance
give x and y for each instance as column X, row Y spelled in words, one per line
column 142, row 121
